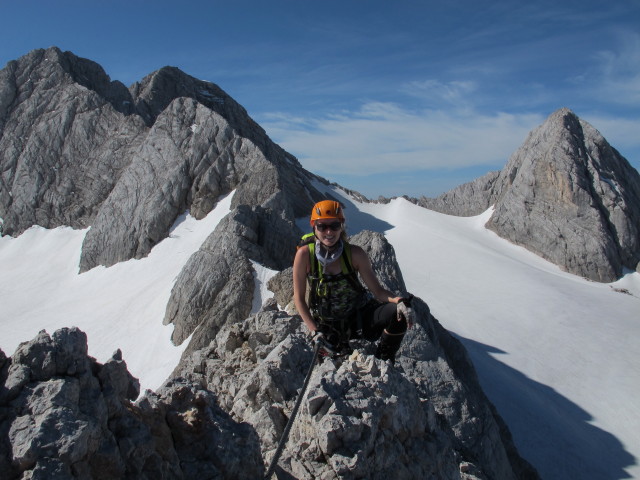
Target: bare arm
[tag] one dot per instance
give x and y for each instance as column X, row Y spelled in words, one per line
column 300, row 268
column 362, row 264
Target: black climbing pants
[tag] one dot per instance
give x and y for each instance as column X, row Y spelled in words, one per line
column 369, row 322
column 376, row 317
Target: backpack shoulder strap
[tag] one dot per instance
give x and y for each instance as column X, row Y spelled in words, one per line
column 314, row 264
column 313, row 261
column 345, row 260
column 309, row 240
column 348, row 270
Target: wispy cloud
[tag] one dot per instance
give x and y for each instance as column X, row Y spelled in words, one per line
column 385, row 137
column 618, row 78
column 437, row 92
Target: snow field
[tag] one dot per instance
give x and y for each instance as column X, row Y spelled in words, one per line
column 558, row 355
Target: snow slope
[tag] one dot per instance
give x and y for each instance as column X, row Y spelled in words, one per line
column 118, row 307
column 558, row 355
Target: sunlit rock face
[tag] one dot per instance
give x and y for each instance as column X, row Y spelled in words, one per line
column 566, row 195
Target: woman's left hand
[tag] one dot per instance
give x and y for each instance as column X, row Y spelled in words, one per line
column 405, row 311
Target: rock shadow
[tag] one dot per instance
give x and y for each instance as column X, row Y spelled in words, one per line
column 550, row 431
column 358, row 221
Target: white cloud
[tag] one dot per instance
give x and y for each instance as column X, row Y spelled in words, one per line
column 384, row 137
column 454, row 92
column 617, row 77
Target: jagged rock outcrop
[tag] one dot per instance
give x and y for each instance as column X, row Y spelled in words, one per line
column 77, row 149
column 566, row 195
column 63, row 415
column 216, row 285
column 361, row 418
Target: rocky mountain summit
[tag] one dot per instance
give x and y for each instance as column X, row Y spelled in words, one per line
column 79, row 149
column 565, row 194
column 63, row 415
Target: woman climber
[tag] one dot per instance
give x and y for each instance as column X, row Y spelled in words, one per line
column 339, row 307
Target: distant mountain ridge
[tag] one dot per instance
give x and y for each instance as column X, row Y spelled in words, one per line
column 80, row 150
column 565, row 194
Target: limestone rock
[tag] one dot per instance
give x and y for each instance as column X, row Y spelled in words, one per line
column 466, row 200
column 427, row 417
column 570, row 197
column 383, row 259
column 281, row 284
column 566, row 195
column 216, row 285
column 63, row 415
column 361, row 417
column 65, row 135
column 78, row 149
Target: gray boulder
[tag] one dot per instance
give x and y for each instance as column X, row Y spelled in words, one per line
column 63, row 415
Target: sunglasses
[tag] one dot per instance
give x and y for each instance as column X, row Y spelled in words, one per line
column 335, row 226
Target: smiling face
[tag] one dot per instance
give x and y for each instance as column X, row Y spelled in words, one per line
column 328, row 231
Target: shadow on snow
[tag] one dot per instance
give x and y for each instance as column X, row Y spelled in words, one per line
column 549, row 430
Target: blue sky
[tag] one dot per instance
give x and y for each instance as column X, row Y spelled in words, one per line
column 387, row 98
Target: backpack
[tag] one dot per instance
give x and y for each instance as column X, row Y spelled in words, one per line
column 317, row 282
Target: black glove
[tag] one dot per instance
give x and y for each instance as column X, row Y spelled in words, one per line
column 323, row 343
column 407, row 300
column 405, row 311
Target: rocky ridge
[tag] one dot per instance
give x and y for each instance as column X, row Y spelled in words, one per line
column 64, row 416
column 223, row 411
column 566, row 195
column 77, row 149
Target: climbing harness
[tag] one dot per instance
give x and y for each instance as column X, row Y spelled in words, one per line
column 333, row 296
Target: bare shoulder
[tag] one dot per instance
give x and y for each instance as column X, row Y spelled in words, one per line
column 302, row 252
column 302, row 256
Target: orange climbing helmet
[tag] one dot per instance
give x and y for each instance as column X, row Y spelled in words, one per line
column 326, row 209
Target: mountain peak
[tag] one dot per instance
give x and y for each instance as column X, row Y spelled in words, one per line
column 158, row 89
column 77, row 149
column 567, row 195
